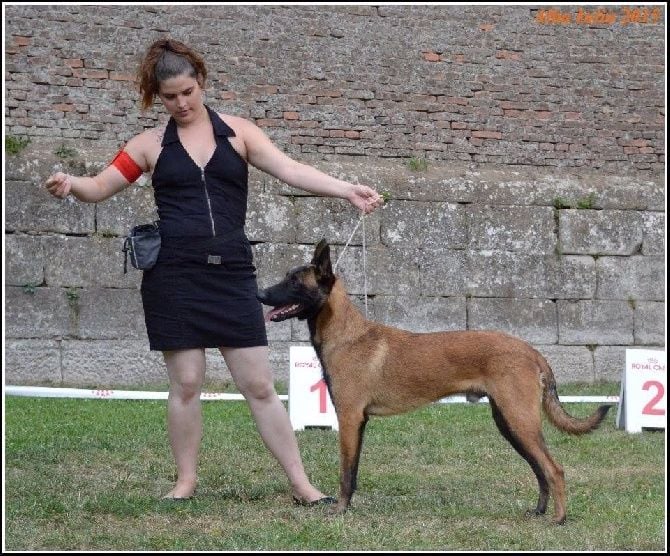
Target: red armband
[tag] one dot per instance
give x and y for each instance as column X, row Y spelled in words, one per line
column 127, row 166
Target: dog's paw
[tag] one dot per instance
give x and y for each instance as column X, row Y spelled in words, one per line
column 337, row 509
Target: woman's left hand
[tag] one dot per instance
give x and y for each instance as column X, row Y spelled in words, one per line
column 365, row 198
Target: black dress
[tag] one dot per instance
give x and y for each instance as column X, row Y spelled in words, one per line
column 202, row 291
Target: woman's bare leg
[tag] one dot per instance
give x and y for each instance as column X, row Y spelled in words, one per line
column 186, row 369
column 250, row 369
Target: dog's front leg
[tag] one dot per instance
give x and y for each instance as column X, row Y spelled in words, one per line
column 352, row 427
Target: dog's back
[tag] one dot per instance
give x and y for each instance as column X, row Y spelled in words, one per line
column 405, row 370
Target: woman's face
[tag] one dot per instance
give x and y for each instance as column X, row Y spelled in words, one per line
column 182, row 97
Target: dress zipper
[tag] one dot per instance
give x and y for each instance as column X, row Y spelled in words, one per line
column 209, row 203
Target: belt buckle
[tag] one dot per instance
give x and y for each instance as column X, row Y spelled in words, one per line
column 213, row 259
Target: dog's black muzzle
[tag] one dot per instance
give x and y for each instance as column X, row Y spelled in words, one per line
column 287, row 302
column 273, row 296
column 262, row 296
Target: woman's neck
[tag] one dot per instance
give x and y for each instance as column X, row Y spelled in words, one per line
column 202, row 118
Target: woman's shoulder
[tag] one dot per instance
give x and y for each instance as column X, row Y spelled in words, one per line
column 145, row 146
column 237, row 123
column 151, row 136
column 148, row 140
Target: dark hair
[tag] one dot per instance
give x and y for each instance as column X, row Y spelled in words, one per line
column 164, row 59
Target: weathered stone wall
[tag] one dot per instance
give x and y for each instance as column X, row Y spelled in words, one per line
column 561, row 241
column 455, row 248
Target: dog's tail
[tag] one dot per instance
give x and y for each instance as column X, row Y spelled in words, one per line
column 554, row 410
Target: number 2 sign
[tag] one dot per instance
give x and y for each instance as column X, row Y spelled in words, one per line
column 309, row 404
column 642, row 403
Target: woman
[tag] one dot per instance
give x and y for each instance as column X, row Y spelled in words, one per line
column 202, row 291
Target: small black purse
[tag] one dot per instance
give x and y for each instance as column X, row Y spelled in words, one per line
column 143, row 244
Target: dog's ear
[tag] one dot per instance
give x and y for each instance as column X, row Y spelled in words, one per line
column 322, row 248
column 321, row 260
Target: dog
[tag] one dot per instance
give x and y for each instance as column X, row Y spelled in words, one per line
column 376, row 370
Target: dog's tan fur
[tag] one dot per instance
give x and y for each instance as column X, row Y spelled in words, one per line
column 372, row 369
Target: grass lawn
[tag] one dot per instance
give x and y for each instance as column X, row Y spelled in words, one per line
column 88, row 475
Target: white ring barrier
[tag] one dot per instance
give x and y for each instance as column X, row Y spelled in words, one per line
column 48, row 392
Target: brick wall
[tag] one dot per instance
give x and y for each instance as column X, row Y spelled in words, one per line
column 541, row 210
column 477, row 84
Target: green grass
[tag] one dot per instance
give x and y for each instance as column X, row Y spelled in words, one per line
column 65, row 152
column 417, row 164
column 587, row 202
column 88, row 475
column 14, row 145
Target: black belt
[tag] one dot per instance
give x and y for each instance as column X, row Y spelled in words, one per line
column 199, row 242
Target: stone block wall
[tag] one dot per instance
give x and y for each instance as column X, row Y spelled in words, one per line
column 540, row 210
column 455, row 248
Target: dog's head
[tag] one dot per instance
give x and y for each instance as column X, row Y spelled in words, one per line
column 303, row 291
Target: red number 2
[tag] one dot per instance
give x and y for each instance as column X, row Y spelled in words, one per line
column 322, row 388
column 649, row 409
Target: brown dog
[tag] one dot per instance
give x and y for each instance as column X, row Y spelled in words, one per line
column 372, row 369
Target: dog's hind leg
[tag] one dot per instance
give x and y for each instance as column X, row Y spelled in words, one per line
column 541, row 507
column 352, row 427
column 517, row 414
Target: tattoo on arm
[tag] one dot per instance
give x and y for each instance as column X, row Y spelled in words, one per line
column 158, row 133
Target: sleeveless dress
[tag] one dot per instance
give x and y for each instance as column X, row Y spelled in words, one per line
column 202, row 291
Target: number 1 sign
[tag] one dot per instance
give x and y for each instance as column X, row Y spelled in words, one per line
column 642, row 402
column 309, row 403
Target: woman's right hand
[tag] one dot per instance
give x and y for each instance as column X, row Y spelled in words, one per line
column 59, row 185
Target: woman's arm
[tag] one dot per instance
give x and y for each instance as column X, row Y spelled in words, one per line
column 103, row 186
column 264, row 155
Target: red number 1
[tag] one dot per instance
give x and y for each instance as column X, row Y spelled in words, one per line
column 322, row 388
column 649, row 409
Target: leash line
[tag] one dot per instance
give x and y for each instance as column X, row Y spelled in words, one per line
column 348, row 242
column 365, row 274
